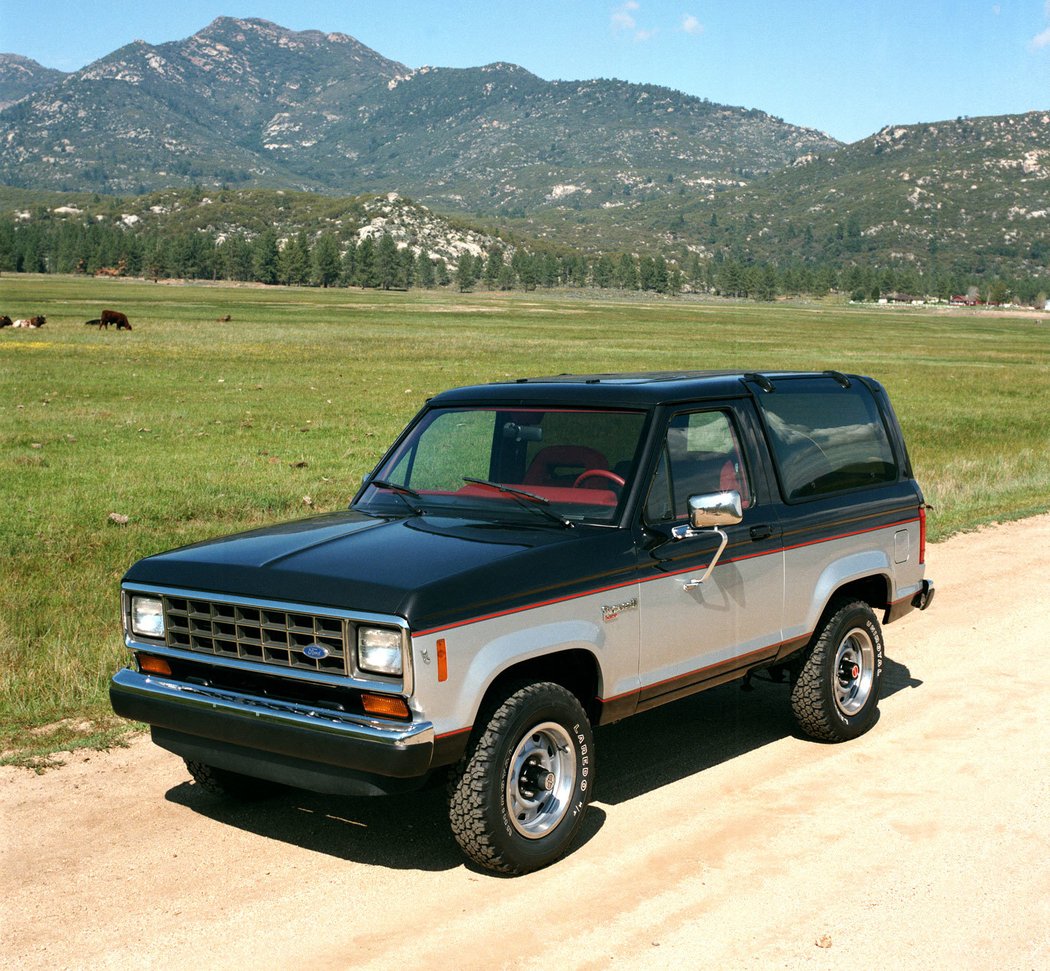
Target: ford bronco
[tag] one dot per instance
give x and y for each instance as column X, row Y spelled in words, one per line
column 531, row 559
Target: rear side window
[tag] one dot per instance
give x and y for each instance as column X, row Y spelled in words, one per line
column 826, row 438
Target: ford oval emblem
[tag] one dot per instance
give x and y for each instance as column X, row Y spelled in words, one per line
column 315, row 652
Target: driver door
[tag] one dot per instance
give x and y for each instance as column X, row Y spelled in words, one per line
column 695, row 634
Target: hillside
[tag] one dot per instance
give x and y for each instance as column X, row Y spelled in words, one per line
column 955, row 195
column 22, row 76
column 965, row 196
column 249, row 103
column 601, row 166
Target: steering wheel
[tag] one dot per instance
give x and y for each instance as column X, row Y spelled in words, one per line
column 617, row 480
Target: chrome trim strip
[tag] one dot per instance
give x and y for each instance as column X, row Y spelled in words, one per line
column 273, row 670
column 391, row 734
column 360, row 616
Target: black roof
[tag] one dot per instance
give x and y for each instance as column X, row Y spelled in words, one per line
column 631, row 389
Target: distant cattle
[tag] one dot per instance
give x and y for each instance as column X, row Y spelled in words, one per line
column 29, row 322
column 224, row 319
column 5, row 321
column 114, row 317
column 119, row 270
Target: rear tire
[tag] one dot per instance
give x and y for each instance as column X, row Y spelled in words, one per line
column 231, row 785
column 518, row 796
column 836, row 694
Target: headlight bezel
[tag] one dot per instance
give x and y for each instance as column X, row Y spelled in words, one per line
column 379, row 651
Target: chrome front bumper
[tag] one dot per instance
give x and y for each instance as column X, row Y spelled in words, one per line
column 286, row 729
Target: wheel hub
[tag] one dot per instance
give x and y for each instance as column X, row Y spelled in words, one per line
column 541, row 778
column 854, row 671
column 535, row 779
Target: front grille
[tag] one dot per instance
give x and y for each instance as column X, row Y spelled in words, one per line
column 267, row 635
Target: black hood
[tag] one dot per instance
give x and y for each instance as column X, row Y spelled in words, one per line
column 432, row 571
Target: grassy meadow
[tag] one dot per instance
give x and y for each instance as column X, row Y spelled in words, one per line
column 190, row 427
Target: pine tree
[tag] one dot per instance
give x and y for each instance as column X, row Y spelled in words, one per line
column 425, row 276
column 265, row 256
column 326, row 261
column 493, row 266
column 387, row 264
column 236, row 258
column 604, row 272
column 349, row 273
column 365, row 272
column 627, row 272
column 294, row 263
column 465, row 271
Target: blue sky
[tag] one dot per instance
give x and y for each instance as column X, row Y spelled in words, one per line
column 841, row 66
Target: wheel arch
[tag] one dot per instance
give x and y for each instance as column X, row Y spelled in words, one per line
column 575, row 669
column 874, row 590
column 866, row 576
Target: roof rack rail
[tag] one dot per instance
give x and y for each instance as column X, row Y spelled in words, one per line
column 839, row 377
column 760, row 379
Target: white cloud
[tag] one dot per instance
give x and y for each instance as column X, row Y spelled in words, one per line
column 691, row 25
column 622, row 18
column 1041, row 40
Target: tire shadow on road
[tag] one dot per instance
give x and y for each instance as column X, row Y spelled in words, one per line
column 678, row 740
column 636, row 756
column 403, row 832
column 408, row 831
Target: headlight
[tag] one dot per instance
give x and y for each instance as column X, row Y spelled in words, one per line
column 379, row 650
column 147, row 617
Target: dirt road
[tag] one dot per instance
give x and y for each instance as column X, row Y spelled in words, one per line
column 719, row 839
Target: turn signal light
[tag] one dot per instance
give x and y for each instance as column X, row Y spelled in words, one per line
column 153, row 665
column 385, row 705
column 442, row 657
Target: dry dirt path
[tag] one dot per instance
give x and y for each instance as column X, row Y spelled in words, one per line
column 719, row 839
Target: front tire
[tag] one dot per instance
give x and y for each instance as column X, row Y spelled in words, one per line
column 518, row 796
column 836, row 694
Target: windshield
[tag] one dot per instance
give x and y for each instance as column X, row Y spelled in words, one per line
column 577, row 464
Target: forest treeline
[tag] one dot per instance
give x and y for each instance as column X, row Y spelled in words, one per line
column 378, row 261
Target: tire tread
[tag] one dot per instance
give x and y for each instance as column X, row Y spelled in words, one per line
column 470, row 781
column 809, row 698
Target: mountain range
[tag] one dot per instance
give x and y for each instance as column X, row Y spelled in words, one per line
column 601, row 164
column 246, row 102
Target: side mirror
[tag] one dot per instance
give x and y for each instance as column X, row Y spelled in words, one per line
column 710, row 512
column 715, row 509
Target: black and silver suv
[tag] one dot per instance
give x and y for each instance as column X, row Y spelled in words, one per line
column 529, row 560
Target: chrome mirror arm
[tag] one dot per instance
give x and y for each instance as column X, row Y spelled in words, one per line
column 693, row 583
column 708, row 514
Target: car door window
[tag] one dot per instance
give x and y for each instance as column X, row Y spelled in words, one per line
column 700, row 454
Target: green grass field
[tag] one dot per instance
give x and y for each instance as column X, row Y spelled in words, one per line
column 191, row 428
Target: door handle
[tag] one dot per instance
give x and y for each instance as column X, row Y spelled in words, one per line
column 761, row 532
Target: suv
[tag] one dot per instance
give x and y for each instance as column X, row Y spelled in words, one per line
column 528, row 560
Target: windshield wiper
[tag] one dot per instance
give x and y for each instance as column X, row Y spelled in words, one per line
column 402, row 492
column 527, row 500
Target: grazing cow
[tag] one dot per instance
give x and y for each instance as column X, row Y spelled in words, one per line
column 30, row 322
column 224, row 319
column 5, row 321
column 113, row 317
